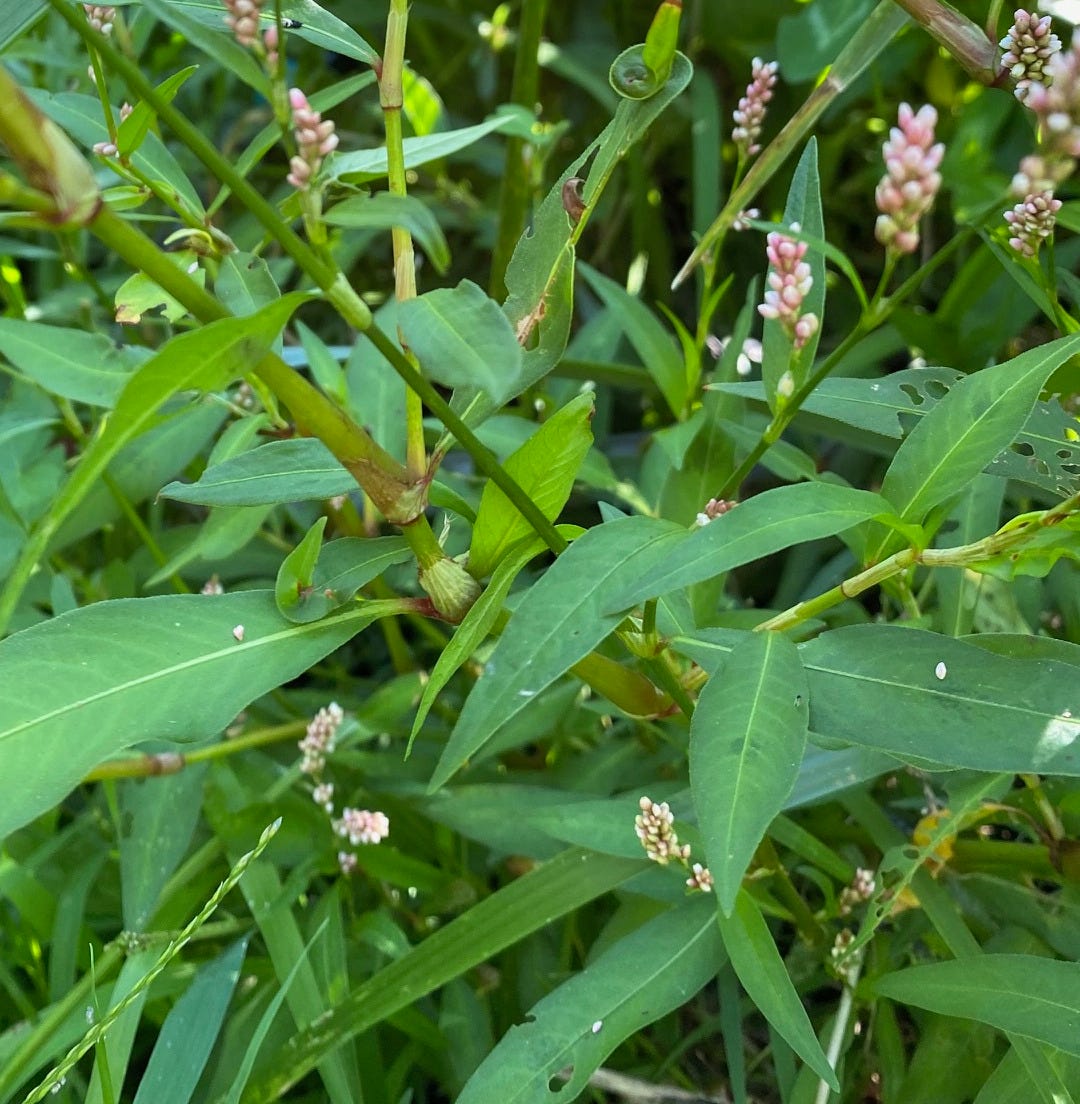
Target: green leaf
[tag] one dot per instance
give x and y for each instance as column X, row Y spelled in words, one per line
column 282, row 471
column 804, row 208
column 213, row 39
column 881, row 686
column 244, row 283
column 370, row 164
column 202, row 359
column 1027, row 995
column 133, row 130
column 15, row 19
column 158, row 818
column 80, row 115
column 294, row 577
column 188, row 1034
column 806, row 43
column 980, row 416
column 761, row 525
column 651, row 341
column 545, row 467
column 763, row 975
column 343, row 567
column 747, row 738
column 137, row 669
column 550, row 891
column 644, row 976
column 84, row 367
column 475, row 627
column 558, row 622
column 384, row 211
column 1044, row 454
column 462, row 339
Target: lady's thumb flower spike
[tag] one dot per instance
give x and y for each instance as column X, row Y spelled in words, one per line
column 315, row 138
column 1029, row 46
column 243, row 20
column 907, row 190
column 749, row 116
column 1032, row 222
column 789, row 284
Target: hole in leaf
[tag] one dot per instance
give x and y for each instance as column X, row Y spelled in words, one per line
column 1024, row 448
column 936, row 389
column 912, row 393
column 1064, row 454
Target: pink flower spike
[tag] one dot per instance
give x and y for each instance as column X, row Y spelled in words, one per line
column 1032, row 222
column 1028, row 47
column 315, row 139
column 749, row 116
column 789, row 283
column 243, row 20
column 907, row 190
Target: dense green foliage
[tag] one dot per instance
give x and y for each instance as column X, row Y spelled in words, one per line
column 438, row 662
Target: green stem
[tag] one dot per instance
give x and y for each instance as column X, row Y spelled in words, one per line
column 517, row 186
column 996, row 544
column 391, row 99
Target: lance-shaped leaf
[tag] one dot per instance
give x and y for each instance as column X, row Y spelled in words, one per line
column 641, row 978
column 544, row 467
column 558, row 622
column 91, row 683
column 281, row 471
column 980, row 416
column 1027, row 995
column 764, row 976
column 747, row 739
column 462, row 339
column 761, row 525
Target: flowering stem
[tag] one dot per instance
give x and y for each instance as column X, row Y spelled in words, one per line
column 1009, row 537
column 391, row 100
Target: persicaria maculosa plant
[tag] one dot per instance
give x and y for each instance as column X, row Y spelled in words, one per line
column 538, row 567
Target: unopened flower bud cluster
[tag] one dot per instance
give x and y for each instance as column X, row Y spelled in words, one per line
column 100, row 17
column 359, row 826
column 655, row 829
column 1028, row 48
column 749, row 116
column 713, row 509
column 243, row 20
column 861, row 890
column 1048, row 82
column 906, row 192
column 315, row 138
column 789, row 283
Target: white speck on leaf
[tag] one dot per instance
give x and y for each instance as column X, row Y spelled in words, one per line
column 940, row 671
column 238, row 632
column 596, row 1027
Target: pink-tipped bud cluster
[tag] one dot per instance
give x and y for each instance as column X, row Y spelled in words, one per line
column 243, row 20
column 749, row 116
column 715, row 508
column 1032, row 222
column 1029, row 46
column 315, row 138
column 911, row 181
column 270, row 44
column 700, row 878
column 362, row 826
column 318, row 741
column 1057, row 104
column 100, row 17
column 789, row 284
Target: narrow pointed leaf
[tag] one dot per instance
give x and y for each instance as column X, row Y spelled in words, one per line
column 747, row 739
column 545, row 467
column 559, row 621
column 281, row 471
column 930, row 698
column 552, row 890
column 92, row 683
column 761, row 525
column 384, row 211
column 1027, row 995
column 642, row 977
column 764, row 976
column 462, row 339
column 981, row 415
